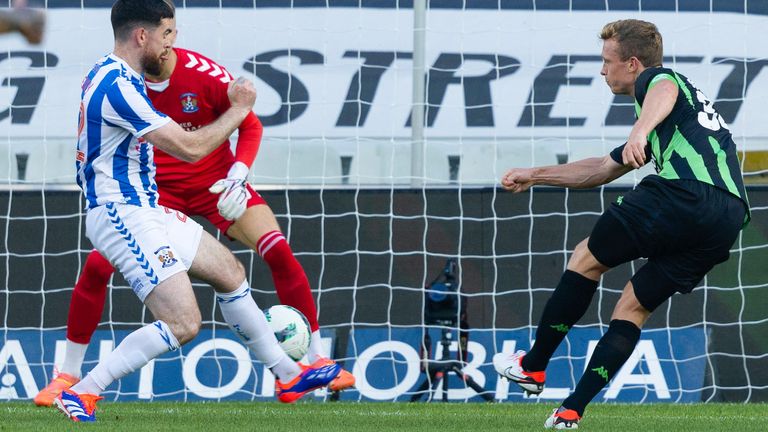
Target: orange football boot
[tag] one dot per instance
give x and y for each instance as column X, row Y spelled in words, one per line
column 58, row 384
column 343, row 380
column 79, row 407
column 318, row 374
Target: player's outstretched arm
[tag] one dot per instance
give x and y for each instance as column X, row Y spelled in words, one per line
column 582, row 174
column 193, row 146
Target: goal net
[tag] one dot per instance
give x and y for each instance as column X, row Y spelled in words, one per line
column 507, row 83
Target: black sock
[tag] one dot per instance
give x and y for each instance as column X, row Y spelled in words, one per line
column 612, row 351
column 567, row 305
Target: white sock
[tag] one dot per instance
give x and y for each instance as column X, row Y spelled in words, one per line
column 135, row 351
column 316, row 348
column 249, row 323
column 286, row 369
column 74, row 354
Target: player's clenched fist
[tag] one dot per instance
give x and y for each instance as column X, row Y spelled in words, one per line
column 242, row 93
column 634, row 153
column 517, row 179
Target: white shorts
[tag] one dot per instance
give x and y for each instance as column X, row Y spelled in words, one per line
column 146, row 244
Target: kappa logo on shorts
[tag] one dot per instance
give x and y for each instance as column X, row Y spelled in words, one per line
column 165, row 255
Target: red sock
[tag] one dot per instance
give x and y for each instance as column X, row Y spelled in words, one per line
column 88, row 298
column 290, row 280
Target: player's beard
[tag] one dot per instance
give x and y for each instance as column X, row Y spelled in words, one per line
column 151, row 64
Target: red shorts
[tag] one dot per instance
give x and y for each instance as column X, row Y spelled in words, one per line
column 195, row 200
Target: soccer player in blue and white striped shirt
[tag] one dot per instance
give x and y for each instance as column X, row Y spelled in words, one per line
column 155, row 247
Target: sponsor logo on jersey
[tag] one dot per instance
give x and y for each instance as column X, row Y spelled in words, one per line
column 189, row 103
column 165, row 255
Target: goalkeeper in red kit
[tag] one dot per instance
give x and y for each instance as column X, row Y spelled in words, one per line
column 192, row 90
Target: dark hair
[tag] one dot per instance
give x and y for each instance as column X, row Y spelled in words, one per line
column 129, row 14
column 636, row 38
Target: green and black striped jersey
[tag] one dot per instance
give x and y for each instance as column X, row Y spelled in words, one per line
column 693, row 142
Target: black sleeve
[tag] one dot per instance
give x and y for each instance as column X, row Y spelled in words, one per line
column 616, row 153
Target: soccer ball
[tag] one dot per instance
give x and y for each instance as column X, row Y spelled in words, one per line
column 291, row 330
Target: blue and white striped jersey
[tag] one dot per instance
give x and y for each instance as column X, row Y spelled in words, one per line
column 114, row 163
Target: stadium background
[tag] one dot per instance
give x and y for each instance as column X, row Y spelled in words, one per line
column 508, row 83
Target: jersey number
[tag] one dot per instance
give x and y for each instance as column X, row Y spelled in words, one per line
column 709, row 118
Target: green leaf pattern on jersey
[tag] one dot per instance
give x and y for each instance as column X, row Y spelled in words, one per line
column 693, row 142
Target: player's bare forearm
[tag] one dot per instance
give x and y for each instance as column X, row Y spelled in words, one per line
column 582, row 174
column 208, row 138
column 193, row 146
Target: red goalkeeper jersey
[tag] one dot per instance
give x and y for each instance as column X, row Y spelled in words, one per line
column 194, row 96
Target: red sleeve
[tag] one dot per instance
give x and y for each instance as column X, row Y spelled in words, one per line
column 250, row 130
column 249, row 139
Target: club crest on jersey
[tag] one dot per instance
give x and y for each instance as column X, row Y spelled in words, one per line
column 189, row 103
column 165, row 255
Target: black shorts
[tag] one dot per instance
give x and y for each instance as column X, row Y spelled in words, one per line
column 683, row 227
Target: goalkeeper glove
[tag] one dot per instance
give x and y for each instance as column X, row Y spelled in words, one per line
column 234, row 196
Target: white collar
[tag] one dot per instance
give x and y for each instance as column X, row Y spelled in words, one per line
column 158, row 86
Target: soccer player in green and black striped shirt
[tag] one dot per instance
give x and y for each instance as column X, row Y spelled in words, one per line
column 684, row 219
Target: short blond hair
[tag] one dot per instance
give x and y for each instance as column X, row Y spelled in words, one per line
column 636, row 38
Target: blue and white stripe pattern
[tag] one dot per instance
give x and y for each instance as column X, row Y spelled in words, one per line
column 165, row 333
column 74, row 407
column 239, row 293
column 114, row 164
column 133, row 245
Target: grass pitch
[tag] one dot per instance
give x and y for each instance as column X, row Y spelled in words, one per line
column 379, row 417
